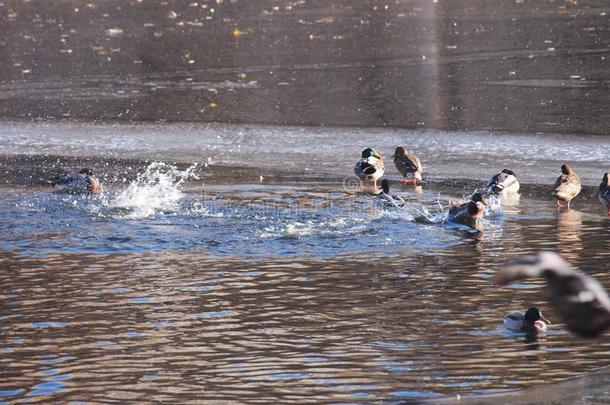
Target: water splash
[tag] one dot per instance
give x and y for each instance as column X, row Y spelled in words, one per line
column 494, row 206
column 157, row 190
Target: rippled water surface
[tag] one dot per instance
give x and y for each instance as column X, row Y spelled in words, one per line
column 200, row 280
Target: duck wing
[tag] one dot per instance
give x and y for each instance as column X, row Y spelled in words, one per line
column 582, row 303
column 581, row 300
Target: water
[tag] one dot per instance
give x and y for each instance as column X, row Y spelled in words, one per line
column 233, row 262
column 192, row 278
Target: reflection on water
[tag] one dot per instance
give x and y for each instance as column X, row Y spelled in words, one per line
column 281, row 292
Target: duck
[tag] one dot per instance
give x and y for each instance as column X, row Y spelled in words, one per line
column 504, row 183
column 469, row 213
column 407, row 162
column 532, row 321
column 604, row 192
column 580, row 300
column 387, row 198
column 370, row 167
column 83, row 182
column 567, row 186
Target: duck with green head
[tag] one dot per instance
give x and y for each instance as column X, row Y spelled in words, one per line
column 504, row 183
column 370, row 167
column 532, row 321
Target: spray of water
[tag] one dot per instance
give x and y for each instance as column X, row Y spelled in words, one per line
column 157, row 190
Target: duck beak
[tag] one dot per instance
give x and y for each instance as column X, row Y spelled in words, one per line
column 378, row 155
column 545, row 320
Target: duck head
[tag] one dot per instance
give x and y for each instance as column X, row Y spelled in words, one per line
column 93, row 184
column 87, row 172
column 400, row 151
column 370, row 152
column 534, row 320
column 567, row 170
column 502, row 180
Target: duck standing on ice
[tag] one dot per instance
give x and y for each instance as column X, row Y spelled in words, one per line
column 83, row 182
column 407, row 163
column 370, row 167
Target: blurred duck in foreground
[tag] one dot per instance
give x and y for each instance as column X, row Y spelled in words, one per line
column 581, row 301
column 370, row 167
column 504, row 183
column 567, row 186
column 531, row 322
column 469, row 213
column 83, row 182
column 604, row 192
column 407, row 163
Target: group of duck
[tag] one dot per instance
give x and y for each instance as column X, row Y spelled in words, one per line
column 370, row 169
column 580, row 300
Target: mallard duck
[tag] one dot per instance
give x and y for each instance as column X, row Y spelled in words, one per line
column 604, row 192
column 388, row 198
column 406, row 162
column 469, row 213
column 580, row 300
column 83, row 182
column 504, row 183
column 567, row 186
column 531, row 322
column 370, row 167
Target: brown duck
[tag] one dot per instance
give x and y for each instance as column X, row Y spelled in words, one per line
column 407, row 163
column 567, row 186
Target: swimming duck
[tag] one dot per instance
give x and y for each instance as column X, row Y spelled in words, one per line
column 531, row 322
column 504, row 183
column 604, row 192
column 406, row 162
column 469, row 213
column 370, row 167
column 82, row 182
column 581, row 301
column 393, row 200
column 567, row 186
